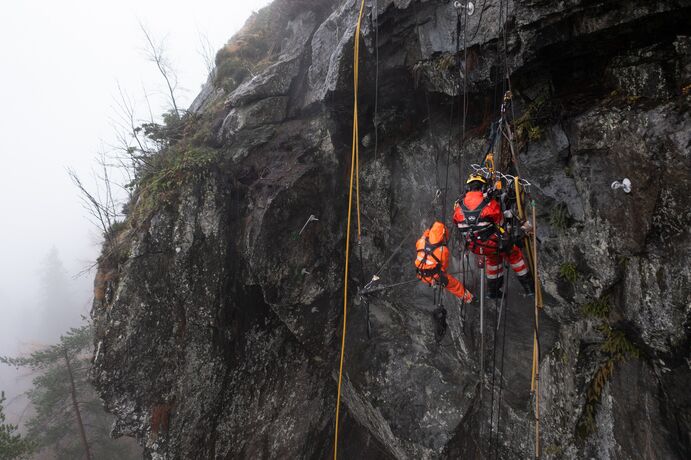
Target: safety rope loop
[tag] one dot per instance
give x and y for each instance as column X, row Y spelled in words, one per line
column 509, row 178
column 354, row 177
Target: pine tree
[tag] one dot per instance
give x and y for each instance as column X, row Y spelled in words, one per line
column 69, row 420
column 12, row 444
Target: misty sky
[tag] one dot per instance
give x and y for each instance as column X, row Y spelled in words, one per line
column 61, row 64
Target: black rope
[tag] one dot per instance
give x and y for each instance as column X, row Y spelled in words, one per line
column 465, row 286
column 501, row 372
column 463, row 109
column 448, row 162
column 479, row 22
column 375, row 19
column 398, row 248
column 389, row 286
column 498, row 318
column 432, row 138
column 463, row 74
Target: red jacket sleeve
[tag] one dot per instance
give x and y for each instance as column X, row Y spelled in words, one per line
column 457, row 215
column 493, row 212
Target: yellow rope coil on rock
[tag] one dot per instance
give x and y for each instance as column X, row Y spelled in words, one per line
column 354, row 174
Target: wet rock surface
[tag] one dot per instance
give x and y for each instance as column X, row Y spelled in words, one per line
column 221, row 335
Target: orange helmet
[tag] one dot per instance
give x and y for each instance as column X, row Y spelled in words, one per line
column 438, row 232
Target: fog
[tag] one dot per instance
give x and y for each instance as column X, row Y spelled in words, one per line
column 62, row 63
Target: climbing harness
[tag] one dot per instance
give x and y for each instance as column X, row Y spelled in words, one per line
column 428, row 270
column 354, row 174
column 476, row 227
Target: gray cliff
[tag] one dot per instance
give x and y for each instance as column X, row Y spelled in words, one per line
column 218, row 323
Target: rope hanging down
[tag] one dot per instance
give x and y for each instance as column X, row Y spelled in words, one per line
column 354, row 174
column 501, row 132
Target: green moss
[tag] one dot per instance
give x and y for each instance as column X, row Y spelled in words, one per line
column 568, row 271
column 617, row 345
column 251, row 50
column 444, row 62
column 173, row 169
column 617, row 348
column 180, row 168
column 554, row 450
column 559, row 217
column 586, row 424
column 598, row 308
column 230, row 73
column 114, row 230
column 535, row 133
column 530, row 125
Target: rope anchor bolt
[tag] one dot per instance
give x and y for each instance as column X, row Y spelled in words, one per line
column 469, row 7
column 625, row 185
column 311, row 218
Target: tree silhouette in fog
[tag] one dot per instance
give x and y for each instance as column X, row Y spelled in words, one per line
column 58, row 308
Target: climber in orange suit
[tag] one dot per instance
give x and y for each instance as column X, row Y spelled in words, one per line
column 432, row 263
column 479, row 218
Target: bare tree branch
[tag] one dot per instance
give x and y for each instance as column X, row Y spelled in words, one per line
column 100, row 203
column 207, row 52
column 155, row 53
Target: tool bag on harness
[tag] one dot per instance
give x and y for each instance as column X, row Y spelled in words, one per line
column 431, row 272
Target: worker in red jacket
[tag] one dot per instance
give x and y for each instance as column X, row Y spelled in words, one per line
column 479, row 219
column 432, row 263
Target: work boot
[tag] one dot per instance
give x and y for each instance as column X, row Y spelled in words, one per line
column 440, row 321
column 527, row 283
column 494, row 288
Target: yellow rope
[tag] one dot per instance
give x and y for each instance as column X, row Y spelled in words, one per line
column 531, row 253
column 354, row 164
column 528, row 244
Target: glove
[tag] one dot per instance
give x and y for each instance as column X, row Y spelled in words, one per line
column 467, row 296
column 527, row 228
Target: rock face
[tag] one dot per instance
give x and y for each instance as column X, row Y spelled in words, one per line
column 220, row 330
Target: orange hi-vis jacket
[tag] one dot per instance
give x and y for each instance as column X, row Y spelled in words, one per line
column 432, row 261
